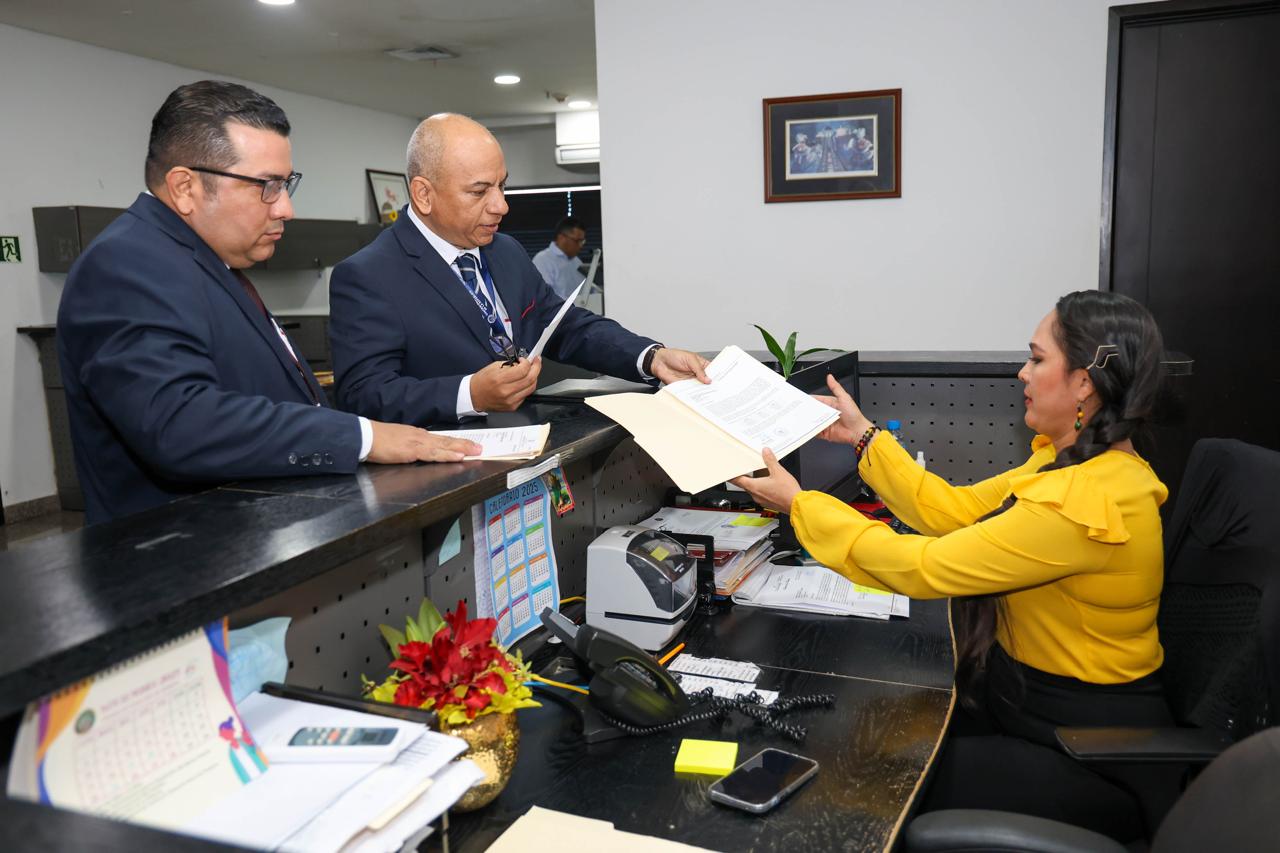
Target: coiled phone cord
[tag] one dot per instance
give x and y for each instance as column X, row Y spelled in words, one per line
column 711, row 707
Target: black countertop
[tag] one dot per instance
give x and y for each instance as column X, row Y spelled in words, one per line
column 77, row 603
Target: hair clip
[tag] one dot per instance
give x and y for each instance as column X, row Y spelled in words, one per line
column 1111, row 350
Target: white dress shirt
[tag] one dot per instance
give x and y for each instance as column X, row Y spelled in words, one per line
column 449, row 254
column 561, row 272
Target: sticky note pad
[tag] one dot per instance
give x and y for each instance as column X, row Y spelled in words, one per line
column 750, row 521
column 710, row 757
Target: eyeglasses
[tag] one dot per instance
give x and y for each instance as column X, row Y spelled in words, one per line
column 573, row 239
column 271, row 187
column 505, row 347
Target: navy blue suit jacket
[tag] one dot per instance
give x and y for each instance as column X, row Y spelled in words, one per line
column 405, row 331
column 175, row 380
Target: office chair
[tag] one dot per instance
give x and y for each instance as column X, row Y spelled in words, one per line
column 1219, row 624
column 1230, row 806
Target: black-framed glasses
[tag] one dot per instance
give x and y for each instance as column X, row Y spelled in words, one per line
column 271, row 187
column 505, row 347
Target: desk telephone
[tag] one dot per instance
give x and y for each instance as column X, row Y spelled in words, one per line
column 626, row 683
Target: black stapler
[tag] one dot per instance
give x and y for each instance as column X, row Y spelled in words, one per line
column 627, row 683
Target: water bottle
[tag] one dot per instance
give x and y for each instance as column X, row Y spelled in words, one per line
column 895, row 427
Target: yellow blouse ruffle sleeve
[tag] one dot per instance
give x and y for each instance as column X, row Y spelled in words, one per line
column 929, row 503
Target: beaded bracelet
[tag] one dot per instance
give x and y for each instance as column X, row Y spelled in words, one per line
column 865, row 440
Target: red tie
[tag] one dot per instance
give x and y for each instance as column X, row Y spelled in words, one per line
column 257, row 300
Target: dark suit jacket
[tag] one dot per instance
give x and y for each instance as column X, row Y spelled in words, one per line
column 405, row 331
column 175, row 380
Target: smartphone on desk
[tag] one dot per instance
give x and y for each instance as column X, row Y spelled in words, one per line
column 341, row 736
column 764, row 780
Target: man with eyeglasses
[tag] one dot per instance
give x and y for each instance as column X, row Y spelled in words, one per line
column 559, row 262
column 177, row 376
column 430, row 321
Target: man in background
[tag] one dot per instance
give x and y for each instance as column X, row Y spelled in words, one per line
column 177, row 377
column 430, row 321
column 559, row 263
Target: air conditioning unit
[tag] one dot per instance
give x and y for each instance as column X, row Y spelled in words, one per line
column 578, row 137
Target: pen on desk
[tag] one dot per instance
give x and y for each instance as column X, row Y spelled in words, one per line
column 669, row 655
column 317, row 697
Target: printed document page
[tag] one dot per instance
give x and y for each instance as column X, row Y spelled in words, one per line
column 753, row 404
column 511, row 443
column 702, row 435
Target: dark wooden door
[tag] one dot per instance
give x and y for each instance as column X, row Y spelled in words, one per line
column 1191, row 213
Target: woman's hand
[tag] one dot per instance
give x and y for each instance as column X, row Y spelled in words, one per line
column 852, row 423
column 775, row 491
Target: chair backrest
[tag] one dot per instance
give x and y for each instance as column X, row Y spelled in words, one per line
column 1231, row 805
column 1220, row 610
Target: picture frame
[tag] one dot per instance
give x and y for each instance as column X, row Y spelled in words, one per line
column 846, row 145
column 389, row 192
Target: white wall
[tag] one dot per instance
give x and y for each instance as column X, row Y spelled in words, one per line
column 1001, row 170
column 76, row 120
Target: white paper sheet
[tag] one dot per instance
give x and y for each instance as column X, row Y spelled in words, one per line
column 734, row 670
column 753, row 404
column 522, row 442
column 555, row 322
column 818, row 589
column 274, row 721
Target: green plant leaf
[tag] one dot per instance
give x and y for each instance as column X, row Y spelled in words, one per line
column 429, row 619
column 803, row 353
column 791, row 348
column 412, row 632
column 394, row 639
column 771, row 344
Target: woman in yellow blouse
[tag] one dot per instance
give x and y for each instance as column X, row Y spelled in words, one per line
column 1055, row 567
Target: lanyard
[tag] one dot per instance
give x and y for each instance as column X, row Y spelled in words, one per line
column 495, row 319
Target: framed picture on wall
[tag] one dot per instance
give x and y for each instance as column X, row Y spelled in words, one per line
column 820, row 147
column 390, row 191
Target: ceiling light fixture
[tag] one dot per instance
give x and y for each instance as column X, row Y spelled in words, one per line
column 276, row 2
column 506, row 79
column 579, row 105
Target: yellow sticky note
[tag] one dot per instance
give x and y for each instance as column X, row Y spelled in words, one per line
column 709, row 757
column 857, row 587
column 660, row 553
column 749, row 521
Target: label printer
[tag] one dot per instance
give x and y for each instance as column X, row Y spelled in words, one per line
column 641, row 585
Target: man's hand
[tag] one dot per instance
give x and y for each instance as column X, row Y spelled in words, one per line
column 672, row 365
column 395, row 443
column 501, row 387
column 775, row 491
column 852, row 424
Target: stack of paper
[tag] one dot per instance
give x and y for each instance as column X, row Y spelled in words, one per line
column 741, row 539
column 702, row 435
column 304, row 805
column 510, row 443
column 817, row 589
column 159, row 741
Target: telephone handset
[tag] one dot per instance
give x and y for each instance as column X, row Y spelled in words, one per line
column 627, row 683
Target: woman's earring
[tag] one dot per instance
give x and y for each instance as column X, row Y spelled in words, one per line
column 1079, row 416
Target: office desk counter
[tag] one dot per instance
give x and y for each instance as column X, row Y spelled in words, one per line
column 77, row 603
column 892, row 685
column 80, row 602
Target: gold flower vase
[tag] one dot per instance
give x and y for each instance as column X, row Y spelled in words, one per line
column 493, row 742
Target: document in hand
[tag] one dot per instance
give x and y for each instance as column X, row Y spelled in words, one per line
column 702, row 435
column 509, row 443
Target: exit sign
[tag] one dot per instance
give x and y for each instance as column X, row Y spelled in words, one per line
column 9, row 251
